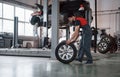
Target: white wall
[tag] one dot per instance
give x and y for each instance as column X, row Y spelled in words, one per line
column 106, row 19
column 29, row 2
column 105, row 4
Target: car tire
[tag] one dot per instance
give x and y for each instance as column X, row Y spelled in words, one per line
column 107, row 39
column 103, row 47
column 65, row 53
column 113, row 48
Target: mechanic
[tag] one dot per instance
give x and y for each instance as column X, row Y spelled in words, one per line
column 85, row 44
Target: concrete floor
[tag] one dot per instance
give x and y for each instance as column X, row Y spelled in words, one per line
column 13, row 66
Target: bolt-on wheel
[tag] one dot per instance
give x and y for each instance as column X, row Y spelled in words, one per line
column 107, row 38
column 65, row 53
column 103, row 47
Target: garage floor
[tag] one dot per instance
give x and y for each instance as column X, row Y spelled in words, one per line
column 13, row 66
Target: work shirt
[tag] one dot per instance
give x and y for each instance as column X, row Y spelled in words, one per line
column 80, row 21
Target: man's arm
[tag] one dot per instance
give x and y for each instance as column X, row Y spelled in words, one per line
column 74, row 35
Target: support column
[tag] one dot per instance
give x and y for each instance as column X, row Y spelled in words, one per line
column 119, row 22
column 45, row 16
column 55, row 24
column 15, row 35
column 95, row 50
column 40, row 29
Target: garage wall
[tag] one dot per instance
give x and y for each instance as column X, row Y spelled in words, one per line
column 105, row 4
column 29, row 2
column 108, row 14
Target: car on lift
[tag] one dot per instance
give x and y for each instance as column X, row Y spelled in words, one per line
column 65, row 8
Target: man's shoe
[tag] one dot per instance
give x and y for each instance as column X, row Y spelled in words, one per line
column 79, row 60
column 89, row 62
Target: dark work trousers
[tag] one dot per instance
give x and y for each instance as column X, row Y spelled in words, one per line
column 85, row 43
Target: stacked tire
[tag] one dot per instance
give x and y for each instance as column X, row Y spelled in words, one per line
column 107, row 44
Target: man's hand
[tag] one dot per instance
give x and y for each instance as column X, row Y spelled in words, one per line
column 68, row 41
column 74, row 35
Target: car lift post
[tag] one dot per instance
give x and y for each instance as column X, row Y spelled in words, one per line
column 45, row 21
column 95, row 26
column 55, row 24
column 45, row 16
column 15, row 34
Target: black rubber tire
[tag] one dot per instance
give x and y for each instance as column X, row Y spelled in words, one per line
column 34, row 20
column 64, row 53
column 113, row 48
column 107, row 39
column 103, row 47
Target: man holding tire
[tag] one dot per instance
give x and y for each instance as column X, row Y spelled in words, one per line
column 85, row 44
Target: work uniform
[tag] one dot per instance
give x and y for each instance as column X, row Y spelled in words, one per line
column 85, row 42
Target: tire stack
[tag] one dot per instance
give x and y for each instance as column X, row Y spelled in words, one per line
column 118, row 41
column 107, row 44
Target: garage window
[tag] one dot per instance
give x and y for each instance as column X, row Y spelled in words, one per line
column 28, row 29
column 0, row 9
column 8, row 26
column 7, row 14
column 8, row 11
column 28, row 15
column 19, row 12
column 0, row 25
column 21, row 29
